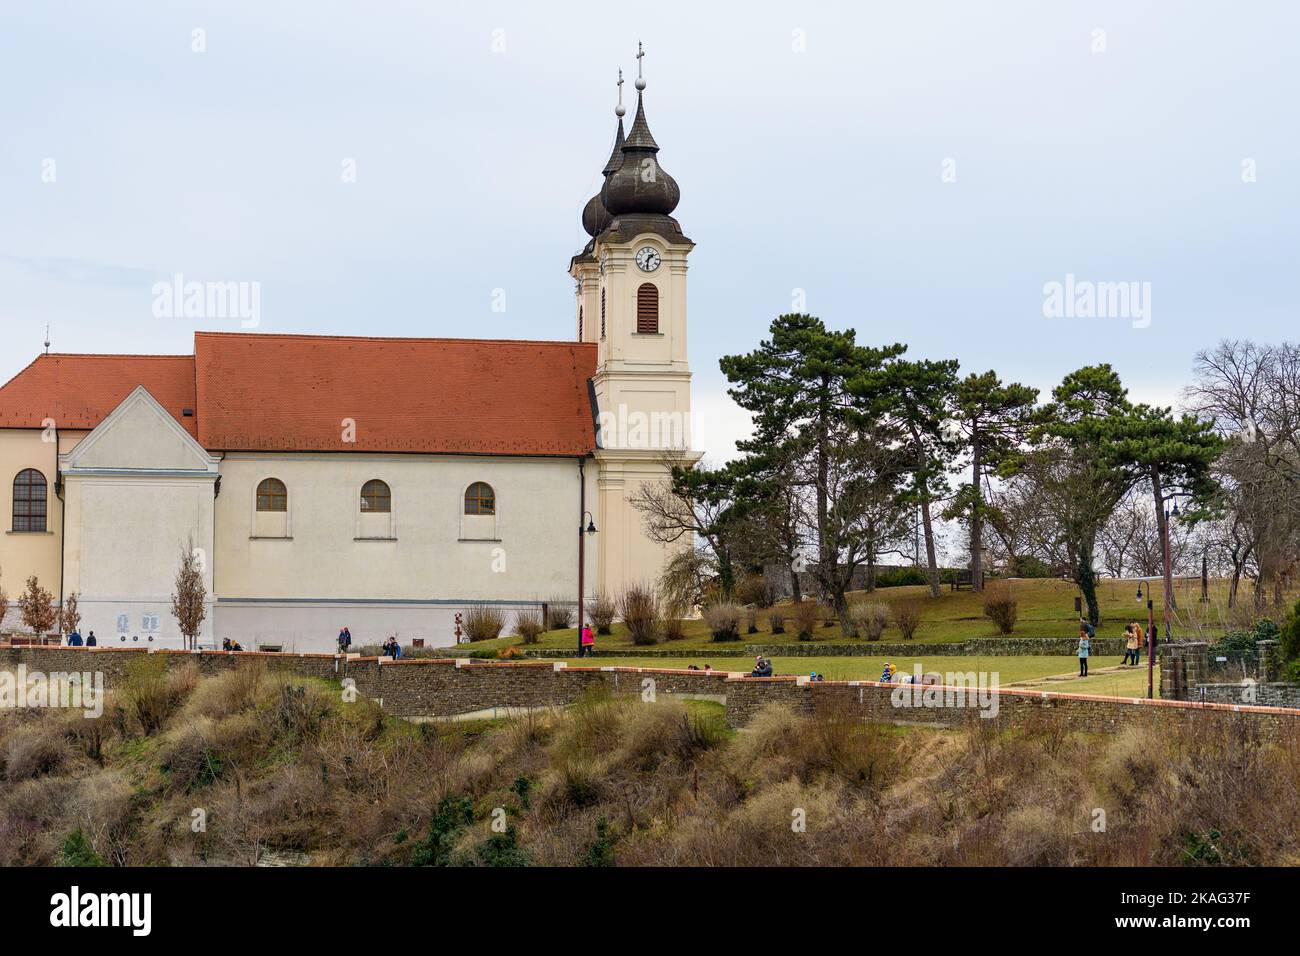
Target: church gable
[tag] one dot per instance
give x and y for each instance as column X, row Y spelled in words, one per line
column 139, row 435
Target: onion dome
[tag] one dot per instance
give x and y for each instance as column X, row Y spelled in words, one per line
column 640, row 186
column 594, row 215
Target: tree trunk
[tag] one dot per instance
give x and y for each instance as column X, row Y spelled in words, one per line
column 927, row 525
column 976, row 518
column 1086, row 578
column 1162, row 525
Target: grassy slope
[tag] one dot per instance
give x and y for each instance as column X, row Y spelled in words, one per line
column 1046, row 609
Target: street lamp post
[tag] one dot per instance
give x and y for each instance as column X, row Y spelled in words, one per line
column 583, row 531
column 1168, row 576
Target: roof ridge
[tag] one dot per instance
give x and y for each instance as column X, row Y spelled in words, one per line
column 389, row 338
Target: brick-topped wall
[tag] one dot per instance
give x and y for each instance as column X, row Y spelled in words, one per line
column 445, row 688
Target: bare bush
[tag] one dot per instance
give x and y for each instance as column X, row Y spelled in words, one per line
column 724, row 621
column 528, row 625
column 1000, row 606
column 638, row 606
column 869, row 618
column 806, row 614
column 559, row 614
column 603, row 611
column 776, row 620
column 907, row 615
column 484, row 622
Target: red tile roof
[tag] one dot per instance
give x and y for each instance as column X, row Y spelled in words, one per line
column 263, row 392
column 79, row 391
column 279, row 392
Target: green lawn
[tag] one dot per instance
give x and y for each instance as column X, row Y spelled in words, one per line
column 1010, row 670
column 1046, row 609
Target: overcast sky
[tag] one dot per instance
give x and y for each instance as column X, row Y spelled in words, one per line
column 815, row 144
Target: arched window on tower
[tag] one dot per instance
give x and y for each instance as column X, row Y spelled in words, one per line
column 647, row 309
column 30, row 500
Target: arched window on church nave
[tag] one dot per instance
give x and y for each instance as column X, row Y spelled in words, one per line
column 376, row 498
column 480, row 499
column 647, row 309
column 30, row 501
column 272, row 495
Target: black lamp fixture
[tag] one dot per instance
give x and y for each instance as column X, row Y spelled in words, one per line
column 1175, row 511
column 1139, row 597
column 591, row 524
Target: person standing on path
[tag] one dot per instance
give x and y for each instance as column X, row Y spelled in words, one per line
column 1085, row 648
column 587, row 641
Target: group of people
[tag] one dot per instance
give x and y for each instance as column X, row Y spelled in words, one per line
column 1135, row 638
column 345, row 640
column 228, row 645
column 392, row 648
column 762, row 667
column 74, row 639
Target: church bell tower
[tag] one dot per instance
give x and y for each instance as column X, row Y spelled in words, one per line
column 631, row 301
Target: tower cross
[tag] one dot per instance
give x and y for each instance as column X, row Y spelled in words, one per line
column 640, row 54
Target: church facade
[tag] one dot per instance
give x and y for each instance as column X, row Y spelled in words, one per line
column 383, row 484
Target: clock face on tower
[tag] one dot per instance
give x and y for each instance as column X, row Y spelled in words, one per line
column 647, row 258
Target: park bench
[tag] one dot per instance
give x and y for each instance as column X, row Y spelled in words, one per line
column 965, row 578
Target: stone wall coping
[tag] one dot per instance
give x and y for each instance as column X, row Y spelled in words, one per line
column 1057, row 695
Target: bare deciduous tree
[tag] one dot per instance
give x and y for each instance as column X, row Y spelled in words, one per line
column 189, row 602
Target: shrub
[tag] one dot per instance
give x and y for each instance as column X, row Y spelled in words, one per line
column 724, row 622
column 907, row 617
column 900, row 577
column 150, row 694
column 1289, row 635
column 559, row 614
column 776, row 620
column 77, row 851
column 672, row 626
column 483, row 622
column 603, row 610
column 869, row 619
column 528, row 625
column 755, row 589
column 638, row 606
column 751, row 621
column 510, row 653
column 806, row 614
column 828, row 615
column 1000, row 607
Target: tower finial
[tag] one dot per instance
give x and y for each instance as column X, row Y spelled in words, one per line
column 640, row 76
column 619, row 111
column 47, row 338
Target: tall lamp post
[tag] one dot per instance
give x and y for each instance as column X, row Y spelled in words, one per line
column 1168, row 576
column 1151, row 642
column 583, row 530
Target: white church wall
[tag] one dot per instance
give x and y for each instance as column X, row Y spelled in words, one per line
column 332, row 568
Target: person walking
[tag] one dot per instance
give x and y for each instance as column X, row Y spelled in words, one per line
column 1085, row 648
column 587, row 642
column 90, row 640
column 1130, row 644
column 1141, row 636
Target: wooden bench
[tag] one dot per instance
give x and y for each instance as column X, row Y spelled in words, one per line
column 965, row 578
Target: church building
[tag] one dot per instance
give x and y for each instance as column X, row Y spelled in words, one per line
column 383, row 484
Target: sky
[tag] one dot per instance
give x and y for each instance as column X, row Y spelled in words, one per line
column 921, row 172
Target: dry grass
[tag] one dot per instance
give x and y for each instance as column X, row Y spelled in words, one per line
column 282, row 764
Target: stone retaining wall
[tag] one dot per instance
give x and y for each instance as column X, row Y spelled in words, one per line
column 445, row 688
